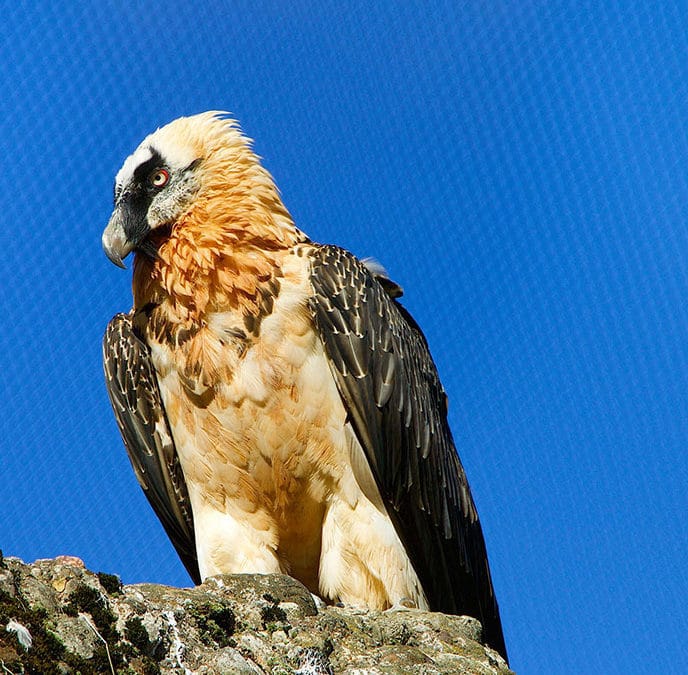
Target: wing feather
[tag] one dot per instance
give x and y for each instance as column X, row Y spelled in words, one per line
column 397, row 407
column 135, row 397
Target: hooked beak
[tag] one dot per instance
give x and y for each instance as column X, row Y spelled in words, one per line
column 116, row 244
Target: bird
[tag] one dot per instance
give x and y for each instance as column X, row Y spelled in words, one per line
column 279, row 405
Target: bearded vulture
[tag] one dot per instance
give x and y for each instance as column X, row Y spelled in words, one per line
column 279, row 406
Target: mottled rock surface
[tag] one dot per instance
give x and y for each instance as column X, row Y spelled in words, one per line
column 57, row 617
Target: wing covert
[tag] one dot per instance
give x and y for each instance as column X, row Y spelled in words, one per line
column 135, row 397
column 397, row 407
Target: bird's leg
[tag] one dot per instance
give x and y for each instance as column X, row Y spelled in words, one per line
column 403, row 605
column 362, row 562
column 227, row 545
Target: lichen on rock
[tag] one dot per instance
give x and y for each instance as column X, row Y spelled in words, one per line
column 81, row 622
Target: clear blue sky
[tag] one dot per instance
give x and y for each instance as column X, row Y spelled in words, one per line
column 519, row 167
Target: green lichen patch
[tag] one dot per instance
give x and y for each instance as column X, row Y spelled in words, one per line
column 46, row 650
column 110, row 582
column 145, row 666
column 216, row 623
column 327, row 647
column 136, row 633
column 130, row 656
column 87, row 599
column 273, row 616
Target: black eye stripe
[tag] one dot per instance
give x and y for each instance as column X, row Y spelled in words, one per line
column 142, row 171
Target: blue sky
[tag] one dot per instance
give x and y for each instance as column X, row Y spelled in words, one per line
column 519, row 168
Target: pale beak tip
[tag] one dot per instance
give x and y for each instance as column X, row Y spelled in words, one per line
column 113, row 257
column 115, row 242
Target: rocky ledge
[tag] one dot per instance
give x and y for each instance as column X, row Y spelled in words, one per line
column 57, row 617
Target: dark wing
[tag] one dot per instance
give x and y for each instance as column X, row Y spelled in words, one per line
column 135, row 397
column 398, row 409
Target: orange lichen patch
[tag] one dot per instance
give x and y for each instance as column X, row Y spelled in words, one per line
column 70, row 560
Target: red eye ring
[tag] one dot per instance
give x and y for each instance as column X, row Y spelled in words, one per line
column 159, row 178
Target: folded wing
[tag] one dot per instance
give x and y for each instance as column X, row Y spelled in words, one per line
column 397, row 407
column 133, row 389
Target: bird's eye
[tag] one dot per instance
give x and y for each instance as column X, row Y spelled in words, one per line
column 159, row 178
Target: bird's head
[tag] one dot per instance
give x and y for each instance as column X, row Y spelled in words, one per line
column 194, row 169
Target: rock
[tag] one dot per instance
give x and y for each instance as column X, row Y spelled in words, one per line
column 81, row 622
